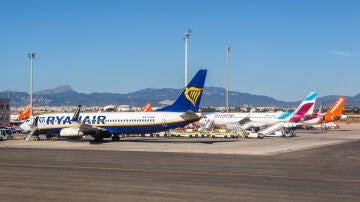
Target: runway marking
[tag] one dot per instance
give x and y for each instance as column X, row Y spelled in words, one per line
column 183, row 172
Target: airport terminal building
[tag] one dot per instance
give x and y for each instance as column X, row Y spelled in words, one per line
column 4, row 110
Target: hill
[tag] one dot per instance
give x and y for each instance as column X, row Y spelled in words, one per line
column 212, row 97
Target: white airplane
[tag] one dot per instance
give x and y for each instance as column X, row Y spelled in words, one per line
column 112, row 124
column 334, row 113
column 244, row 121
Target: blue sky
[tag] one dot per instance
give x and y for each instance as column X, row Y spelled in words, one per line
column 282, row 49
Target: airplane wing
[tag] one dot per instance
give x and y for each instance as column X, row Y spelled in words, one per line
column 336, row 118
column 80, row 128
column 90, row 129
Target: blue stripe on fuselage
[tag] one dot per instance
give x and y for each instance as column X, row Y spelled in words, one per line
column 127, row 129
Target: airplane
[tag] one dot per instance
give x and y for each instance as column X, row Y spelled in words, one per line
column 234, row 121
column 295, row 116
column 334, row 113
column 113, row 124
column 147, row 107
column 25, row 114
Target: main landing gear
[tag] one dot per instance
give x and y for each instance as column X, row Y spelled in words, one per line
column 99, row 139
column 115, row 138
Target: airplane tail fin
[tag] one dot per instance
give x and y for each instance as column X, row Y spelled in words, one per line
column 335, row 111
column 76, row 114
column 190, row 98
column 25, row 114
column 147, row 107
column 303, row 108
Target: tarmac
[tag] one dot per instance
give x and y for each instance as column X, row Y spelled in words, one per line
column 313, row 166
column 305, row 139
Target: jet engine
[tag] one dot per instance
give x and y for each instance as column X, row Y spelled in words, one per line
column 72, row 132
column 232, row 126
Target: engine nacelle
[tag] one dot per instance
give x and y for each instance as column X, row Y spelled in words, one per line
column 72, row 132
column 232, row 126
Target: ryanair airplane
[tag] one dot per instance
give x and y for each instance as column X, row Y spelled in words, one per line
column 112, row 124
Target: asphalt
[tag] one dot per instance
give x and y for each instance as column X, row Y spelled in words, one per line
column 327, row 172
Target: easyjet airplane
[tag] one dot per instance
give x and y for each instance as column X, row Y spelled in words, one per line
column 147, row 107
column 334, row 113
column 112, row 124
column 25, row 114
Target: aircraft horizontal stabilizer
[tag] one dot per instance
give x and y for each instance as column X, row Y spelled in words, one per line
column 189, row 115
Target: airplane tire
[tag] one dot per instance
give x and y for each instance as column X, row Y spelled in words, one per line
column 99, row 139
column 115, row 138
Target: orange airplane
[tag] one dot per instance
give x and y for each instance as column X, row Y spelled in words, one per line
column 25, row 114
column 146, row 108
column 334, row 113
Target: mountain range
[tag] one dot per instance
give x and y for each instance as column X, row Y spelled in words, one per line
column 212, row 97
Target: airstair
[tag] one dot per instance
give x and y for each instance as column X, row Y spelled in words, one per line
column 250, row 124
column 208, row 125
column 283, row 126
column 34, row 130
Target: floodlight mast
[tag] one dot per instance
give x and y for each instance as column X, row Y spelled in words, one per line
column 31, row 56
column 186, row 37
column 227, row 78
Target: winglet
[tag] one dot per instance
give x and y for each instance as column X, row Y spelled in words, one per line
column 76, row 114
column 190, row 97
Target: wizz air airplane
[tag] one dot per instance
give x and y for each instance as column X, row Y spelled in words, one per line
column 244, row 121
column 334, row 113
column 112, row 124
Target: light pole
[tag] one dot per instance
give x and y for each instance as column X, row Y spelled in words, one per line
column 187, row 34
column 31, row 56
column 227, row 78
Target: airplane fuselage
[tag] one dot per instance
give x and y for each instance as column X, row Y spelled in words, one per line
column 115, row 122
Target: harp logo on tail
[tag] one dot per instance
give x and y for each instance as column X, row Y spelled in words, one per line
column 192, row 94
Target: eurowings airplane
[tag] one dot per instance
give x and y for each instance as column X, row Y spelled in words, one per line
column 112, row 124
column 334, row 113
column 234, row 121
column 294, row 116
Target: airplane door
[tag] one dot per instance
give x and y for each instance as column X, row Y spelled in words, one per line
column 35, row 123
column 164, row 121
